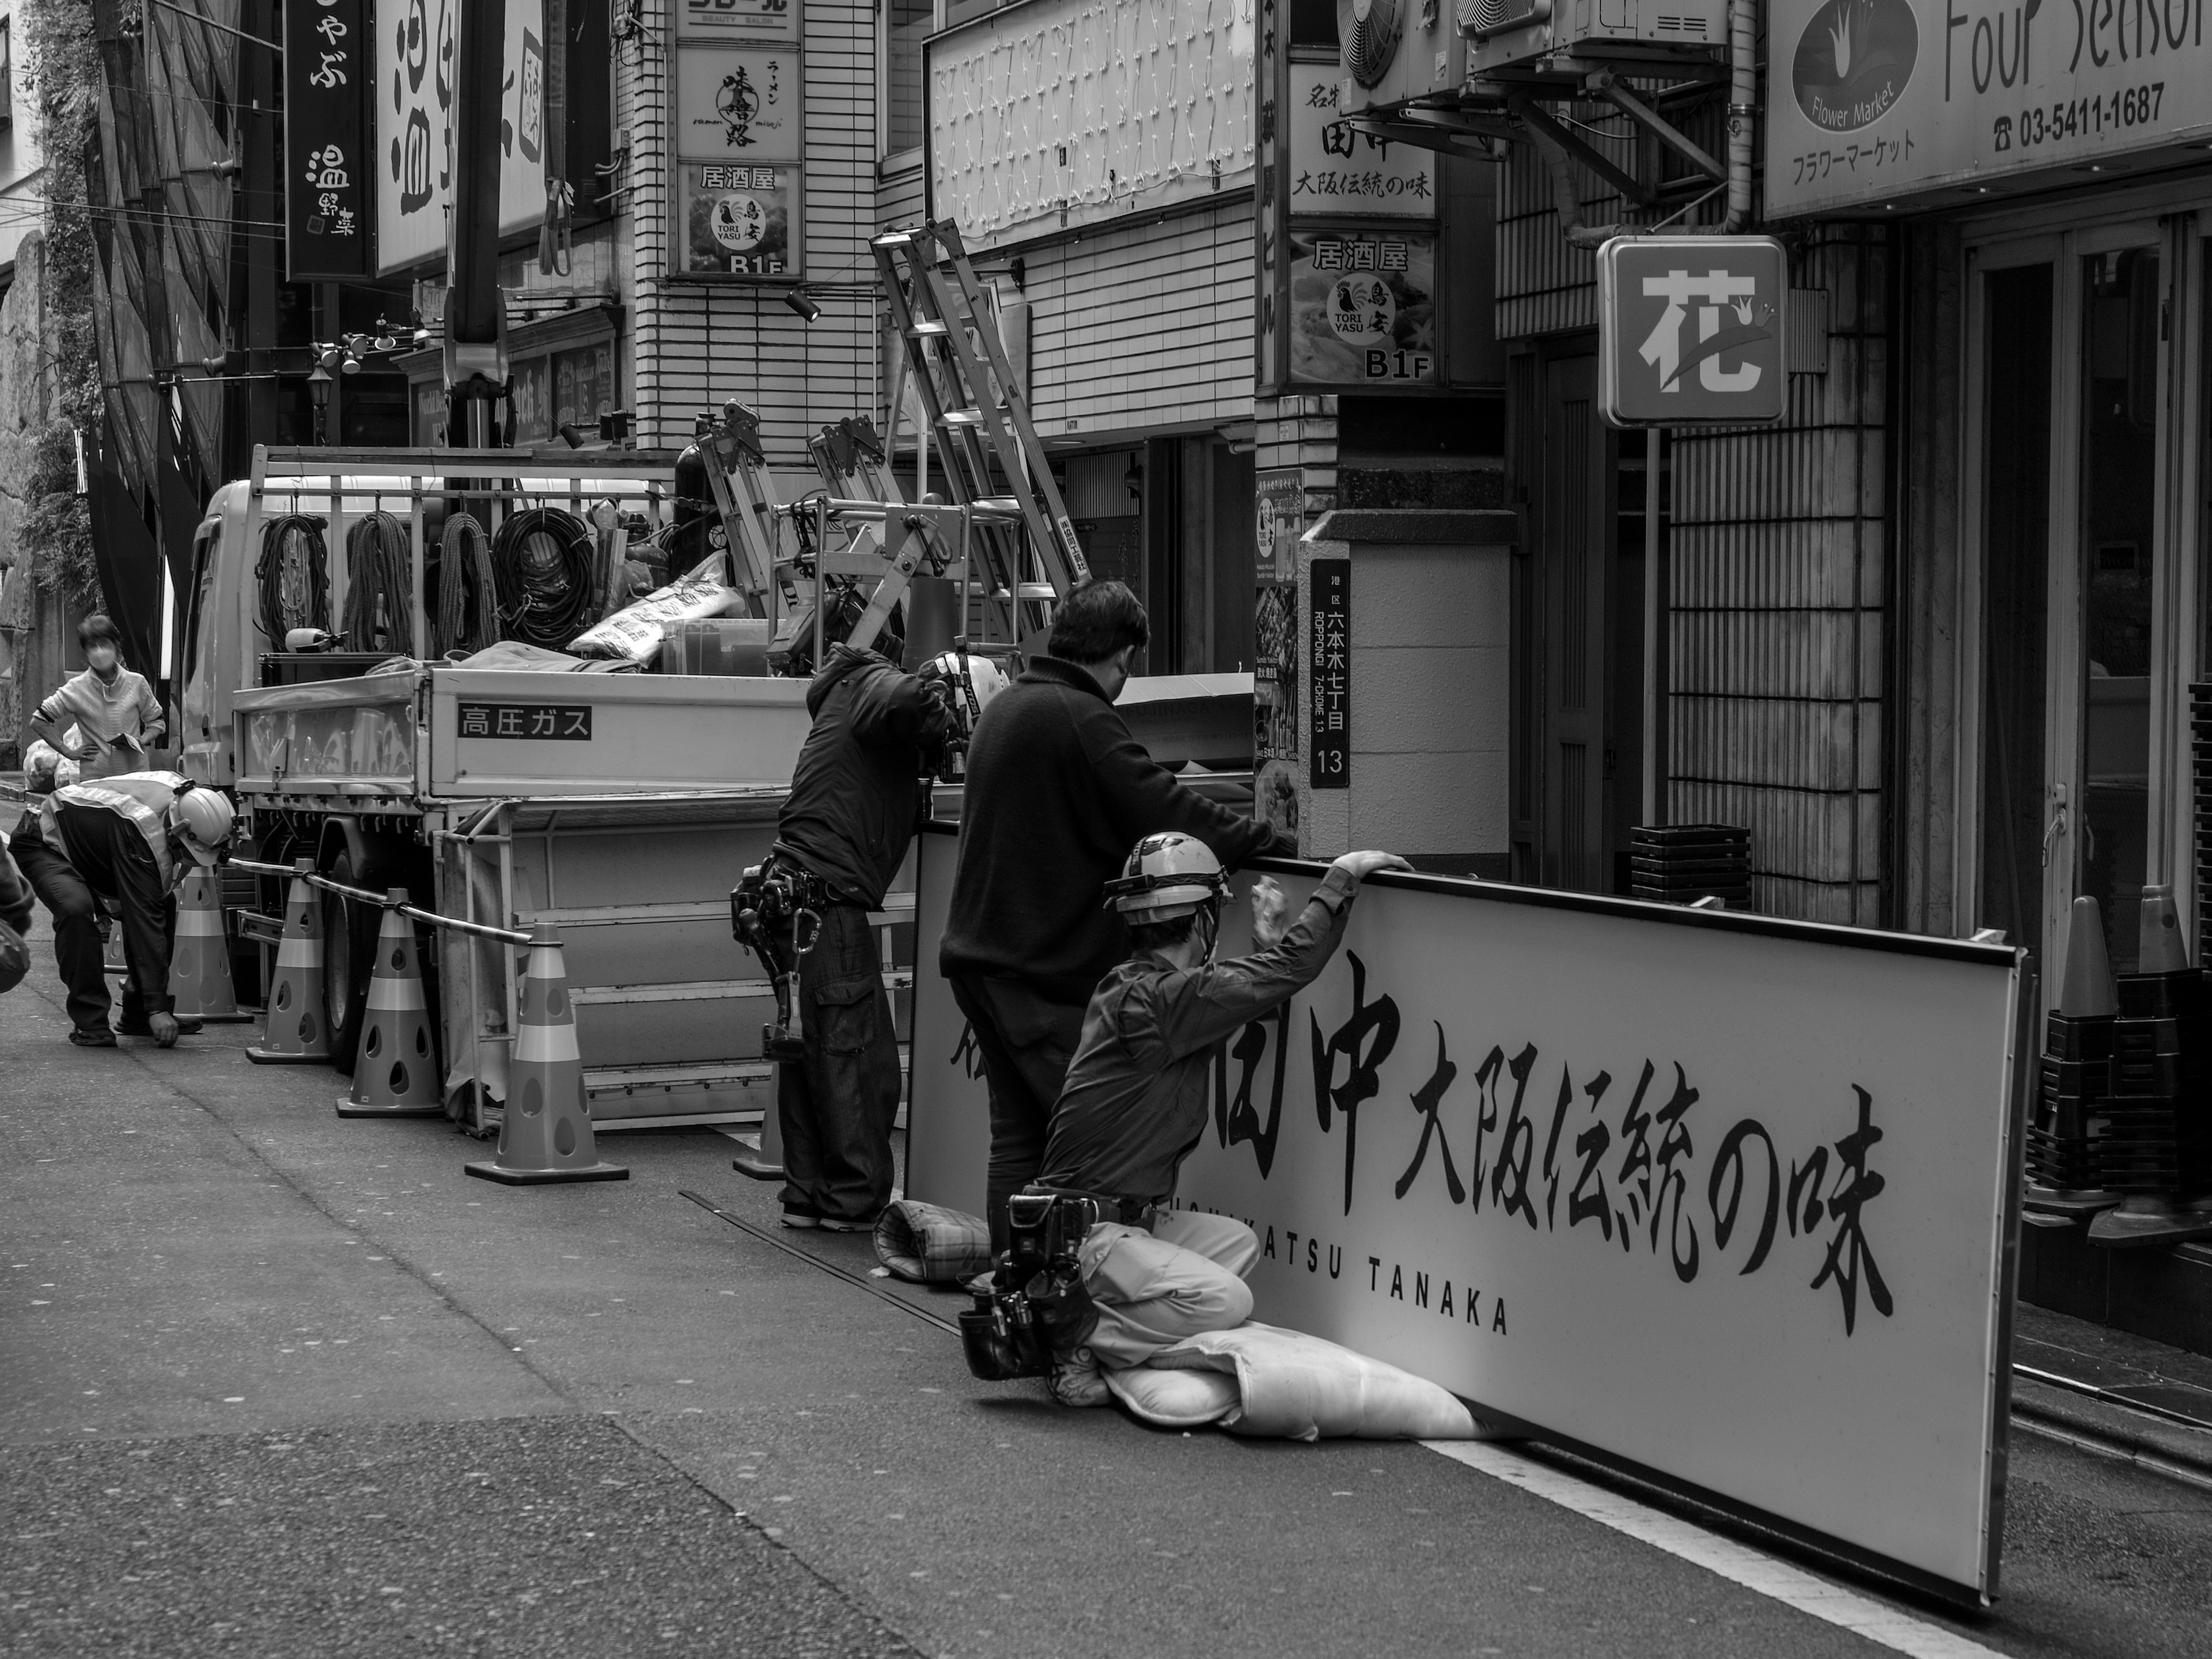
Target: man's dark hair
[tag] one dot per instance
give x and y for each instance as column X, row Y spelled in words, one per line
column 1161, row 935
column 95, row 628
column 1097, row 620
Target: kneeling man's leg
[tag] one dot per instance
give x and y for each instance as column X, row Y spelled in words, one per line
column 1151, row 1294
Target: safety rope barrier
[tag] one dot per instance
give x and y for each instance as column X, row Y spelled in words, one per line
column 381, row 901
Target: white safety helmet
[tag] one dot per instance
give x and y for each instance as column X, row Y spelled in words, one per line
column 1167, row 875
column 203, row 819
column 972, row 681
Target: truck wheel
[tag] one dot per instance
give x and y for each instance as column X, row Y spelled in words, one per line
column 349, row 959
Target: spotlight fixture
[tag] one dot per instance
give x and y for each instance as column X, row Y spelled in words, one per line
column 798, row 301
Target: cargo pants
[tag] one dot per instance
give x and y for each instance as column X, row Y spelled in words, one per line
column 1180, row 1276
column 837, row 1108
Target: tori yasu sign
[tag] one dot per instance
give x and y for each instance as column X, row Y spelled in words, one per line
column 1690, row 331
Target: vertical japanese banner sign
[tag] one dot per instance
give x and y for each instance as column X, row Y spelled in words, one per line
column 1270, row 217
column 1328, row 668
column 327, row 185
column 1732, row 1201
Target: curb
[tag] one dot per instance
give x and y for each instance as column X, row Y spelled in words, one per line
column 2150, row 1442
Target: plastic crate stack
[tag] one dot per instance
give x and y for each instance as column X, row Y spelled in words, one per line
column 1682, row 863
column 2158, row 1076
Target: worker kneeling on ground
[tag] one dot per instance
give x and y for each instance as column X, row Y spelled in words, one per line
column 127, row 840
column 1097, row 1226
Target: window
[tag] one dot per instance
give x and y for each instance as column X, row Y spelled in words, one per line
column 7, row 74
column 907, row 24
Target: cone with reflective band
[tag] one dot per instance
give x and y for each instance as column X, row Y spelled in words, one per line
column 199, row 964
column 546, row 1133
column 2160, row 949
column 395, row 1069
column 297, row 1034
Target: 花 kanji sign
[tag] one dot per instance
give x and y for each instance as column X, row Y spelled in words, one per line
column 1690, row 331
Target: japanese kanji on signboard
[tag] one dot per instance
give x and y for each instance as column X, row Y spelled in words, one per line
column 1691, row 330
column 526, row 721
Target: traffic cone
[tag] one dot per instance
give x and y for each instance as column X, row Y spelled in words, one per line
column 2088, row 987
column 297, row 1034
column 2160, row 949
column 395, row 1071
column 765, row 1161
column 199, row 962
column 545, row 1135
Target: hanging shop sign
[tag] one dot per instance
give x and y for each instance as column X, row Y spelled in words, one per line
column 1728, row 1200
column 1336, row 170
column 327, row 185
column 1877, row 101
column 414, row 111
column 1328, row 671
column 737, row 136
column 1063, row 112
column 738, row 20
column 1362, row 310
column 1691, row 330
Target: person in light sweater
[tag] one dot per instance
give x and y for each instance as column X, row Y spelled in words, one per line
column 115, row 711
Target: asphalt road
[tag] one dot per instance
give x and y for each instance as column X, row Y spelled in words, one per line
column 273, row 1383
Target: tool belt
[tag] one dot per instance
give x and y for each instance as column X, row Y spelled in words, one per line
column 808, row 890
column 1035, row 1310
column 1129, row 1212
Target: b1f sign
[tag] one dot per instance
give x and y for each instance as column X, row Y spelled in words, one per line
column 1690, row 331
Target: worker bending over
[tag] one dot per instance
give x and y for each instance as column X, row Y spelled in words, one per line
column 841, row 835
column 128, row 839
column 1136, row 1099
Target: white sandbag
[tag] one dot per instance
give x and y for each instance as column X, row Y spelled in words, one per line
column 1174, row 1398
column 1295, row 1387
column 634, row 634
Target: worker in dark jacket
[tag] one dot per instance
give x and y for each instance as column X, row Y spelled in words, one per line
column 847, row 825
column 1057, row 791
column 1135, row 1103
column 129, row 840
column 15, row 920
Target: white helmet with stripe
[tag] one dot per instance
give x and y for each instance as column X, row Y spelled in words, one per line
column 972, row 680
column 1167, row 875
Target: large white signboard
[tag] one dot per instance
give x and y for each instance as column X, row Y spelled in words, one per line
column 1336, row 170
column 1871, row 101
column 1728, row 1199
column 1076, row 112
column 413, row 111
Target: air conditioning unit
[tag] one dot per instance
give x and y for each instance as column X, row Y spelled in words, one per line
column 1398, row 51
column 1505, row 34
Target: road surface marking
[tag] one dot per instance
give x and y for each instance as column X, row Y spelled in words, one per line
column 1737, row 1563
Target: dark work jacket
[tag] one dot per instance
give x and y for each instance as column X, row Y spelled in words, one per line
column 850, row 815
column 1057, row 793
column 1135, row 1100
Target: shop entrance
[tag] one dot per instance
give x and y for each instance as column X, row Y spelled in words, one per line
column 2078, row 367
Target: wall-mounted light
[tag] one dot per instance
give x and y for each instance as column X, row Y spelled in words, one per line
column 797, row 300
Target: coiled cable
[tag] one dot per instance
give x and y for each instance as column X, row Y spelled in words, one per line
column 379, row 607
column 294, row 589
column 546, row 566
column 468, row 602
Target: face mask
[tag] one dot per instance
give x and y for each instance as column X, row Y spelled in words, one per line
column 100, row 659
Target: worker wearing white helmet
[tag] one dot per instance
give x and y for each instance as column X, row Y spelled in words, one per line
column 970, row 682
column 1135, row 1102
column 127, row 840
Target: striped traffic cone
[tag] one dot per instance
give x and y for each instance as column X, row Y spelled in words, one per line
column 297, row 1033
column 199, row 962
column 545, row 1135
column 395, row 1071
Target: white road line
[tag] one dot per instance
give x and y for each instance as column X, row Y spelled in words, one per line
column 1735, row 1562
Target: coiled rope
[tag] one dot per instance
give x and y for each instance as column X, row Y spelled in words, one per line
column 546, row 565
column 295, row 590
column 468, row 603
column 379, row 588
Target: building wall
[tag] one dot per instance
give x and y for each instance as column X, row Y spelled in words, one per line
column 22, row 163
column 696, row 345
column 1780, row 550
